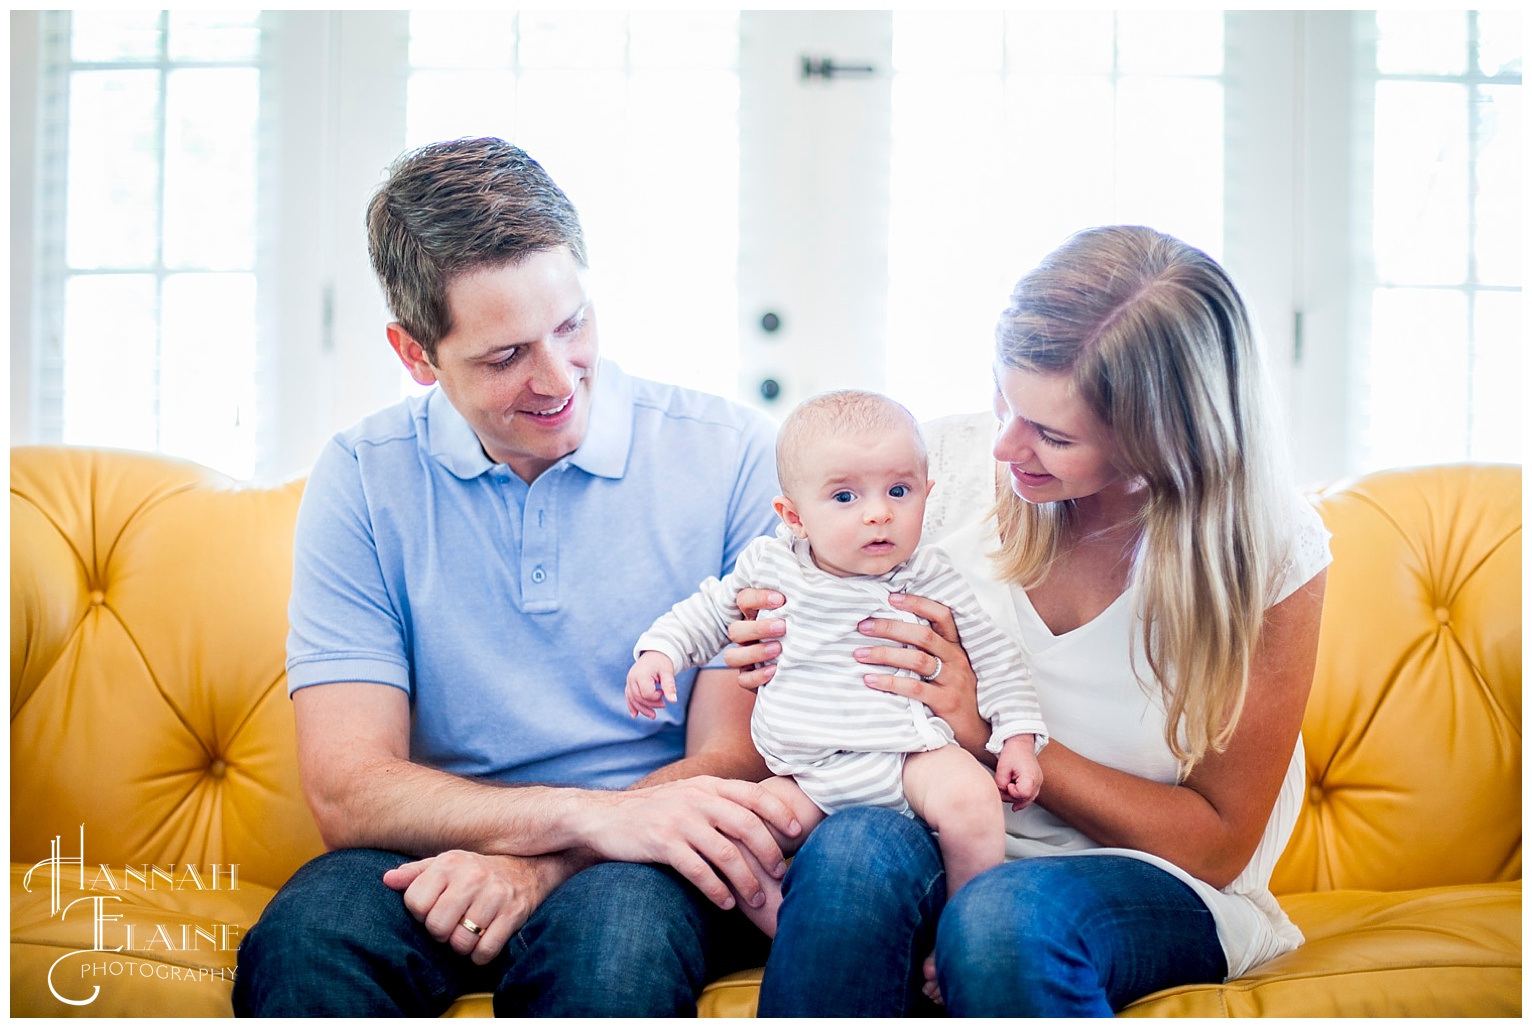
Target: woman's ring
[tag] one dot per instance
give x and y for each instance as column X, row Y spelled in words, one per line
column 932, row 676
column 473, row 929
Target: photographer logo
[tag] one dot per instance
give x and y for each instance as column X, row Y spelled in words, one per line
column 103, row 887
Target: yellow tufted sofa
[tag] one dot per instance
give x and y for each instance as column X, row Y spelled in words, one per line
column 155, row 805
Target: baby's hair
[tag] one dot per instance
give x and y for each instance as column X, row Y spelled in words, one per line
column 840, row 412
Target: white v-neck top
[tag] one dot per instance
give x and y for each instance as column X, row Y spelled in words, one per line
column 1093, row 703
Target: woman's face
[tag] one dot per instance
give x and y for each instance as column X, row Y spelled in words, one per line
column 1054, row 446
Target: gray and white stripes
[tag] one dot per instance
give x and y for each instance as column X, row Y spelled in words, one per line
column 817, row 720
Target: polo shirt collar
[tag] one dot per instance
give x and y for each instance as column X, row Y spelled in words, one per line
column 604, row 453
column 608, row 438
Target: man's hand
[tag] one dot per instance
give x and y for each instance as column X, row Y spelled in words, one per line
column 692, row 825
column 495, row 893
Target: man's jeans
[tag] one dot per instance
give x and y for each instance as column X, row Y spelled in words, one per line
column 1049, row 936
column 626, row 940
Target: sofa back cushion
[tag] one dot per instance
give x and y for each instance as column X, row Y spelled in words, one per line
column 1413, row 729
column 148, row 696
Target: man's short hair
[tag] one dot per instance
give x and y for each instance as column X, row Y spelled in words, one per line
column 458, row 206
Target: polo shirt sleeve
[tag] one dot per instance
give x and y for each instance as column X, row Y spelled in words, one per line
column 343, row 625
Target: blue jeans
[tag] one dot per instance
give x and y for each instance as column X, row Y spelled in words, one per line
column 619, row 940
column 1051, row 936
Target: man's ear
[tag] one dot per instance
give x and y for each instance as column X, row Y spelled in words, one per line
column 789, row 515
column 411, row 354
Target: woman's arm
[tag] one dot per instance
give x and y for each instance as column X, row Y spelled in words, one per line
column 1210, row 824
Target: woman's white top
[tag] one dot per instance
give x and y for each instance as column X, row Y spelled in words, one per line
column 1091, row 699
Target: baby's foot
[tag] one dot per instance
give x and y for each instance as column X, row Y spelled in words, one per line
column 928, row 968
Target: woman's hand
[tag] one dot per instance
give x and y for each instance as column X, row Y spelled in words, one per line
column 946, row 681
column 756, row 648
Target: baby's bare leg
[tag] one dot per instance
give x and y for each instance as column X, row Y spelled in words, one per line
column 808, row 814
column 956, row 795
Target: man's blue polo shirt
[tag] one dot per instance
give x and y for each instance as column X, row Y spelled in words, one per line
column 508, row 611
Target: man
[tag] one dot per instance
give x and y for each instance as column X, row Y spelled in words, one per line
column 471, row 570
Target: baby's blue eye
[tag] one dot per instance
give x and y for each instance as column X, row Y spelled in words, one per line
column 844, row 496
column 899, row 491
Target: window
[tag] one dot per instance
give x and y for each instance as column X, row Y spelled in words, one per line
column 633, row 113
column 1013, row 130
column 200, row 284
column 152, row 281
column 1442, row 368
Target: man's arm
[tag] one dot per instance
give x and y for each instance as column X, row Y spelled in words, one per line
column 353, row 755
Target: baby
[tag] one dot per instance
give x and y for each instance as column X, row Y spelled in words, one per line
column 852, row 467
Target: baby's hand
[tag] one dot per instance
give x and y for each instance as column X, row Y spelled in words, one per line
column 1018, row 774
column 651, row 681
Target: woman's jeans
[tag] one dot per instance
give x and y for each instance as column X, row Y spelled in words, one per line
column 1047, row 936
column 625, row 940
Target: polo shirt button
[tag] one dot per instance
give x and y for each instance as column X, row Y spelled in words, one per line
column 539, row 576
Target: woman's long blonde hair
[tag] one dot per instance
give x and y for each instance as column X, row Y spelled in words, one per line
column 1157, row 342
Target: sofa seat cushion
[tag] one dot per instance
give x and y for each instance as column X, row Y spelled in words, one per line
column 1452, row 951
column 179, row 958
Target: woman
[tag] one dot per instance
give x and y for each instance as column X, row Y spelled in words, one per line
column 1148, row 549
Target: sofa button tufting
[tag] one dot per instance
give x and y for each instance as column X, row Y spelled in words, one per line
column 97, row 597
column 1443, row 614
column 217, row 769
column 1316, row 795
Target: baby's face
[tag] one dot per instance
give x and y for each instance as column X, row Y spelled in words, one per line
column 861, row 500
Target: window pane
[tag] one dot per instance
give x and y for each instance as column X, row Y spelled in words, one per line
column 1420, row 182
column 681, row 41
column 1498, row 185
column 214, row 35
column 946, row 287
column 453, row 104
column 1051, row 199
column 1170, row 170
column 462, row 39
column 1422, row 42
column 647, row 243
column 568, row 120
column 207, row 371
column 635, row 116
column 1170, row 42
column 573, row 39
column 1078, row 145
column 113, row 193
column 947, row 41
column 1497, row 394
column 115, row 35
column 1500, row 42
column 109, row 361
column 1063, row 42
column 210, row 168
column 1418, row 374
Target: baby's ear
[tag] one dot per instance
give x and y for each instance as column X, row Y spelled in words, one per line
column 930, row 485
column 789, row 515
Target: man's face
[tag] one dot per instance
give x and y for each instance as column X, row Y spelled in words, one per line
column 519, row 363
